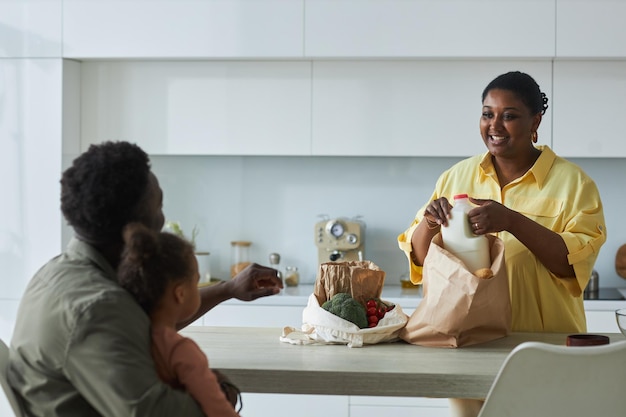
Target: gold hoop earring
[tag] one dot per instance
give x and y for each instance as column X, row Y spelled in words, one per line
column 534, row 137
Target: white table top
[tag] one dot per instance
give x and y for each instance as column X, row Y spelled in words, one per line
column 257, row 361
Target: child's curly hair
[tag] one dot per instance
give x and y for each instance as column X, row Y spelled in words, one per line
column 150, row 261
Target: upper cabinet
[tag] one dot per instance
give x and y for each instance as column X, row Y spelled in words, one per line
column 408, row 108
column 199, row 107
column 591, row 29
column 182, row 28
column 30, row 28
column 590, row 103
column 430, row 28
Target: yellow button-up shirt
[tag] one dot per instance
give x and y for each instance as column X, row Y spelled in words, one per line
column 554, row 193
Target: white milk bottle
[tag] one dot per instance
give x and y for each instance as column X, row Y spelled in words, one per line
column 459, row 239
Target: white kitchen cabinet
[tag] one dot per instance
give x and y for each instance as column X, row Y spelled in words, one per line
column 398, row 407
column 602, row 321
column 590, row 103
column 324, row 108
column 590, row 29
column 30, row 28
column 408, row 108
column 30, row 166
column 250, row 314
column 194, row 107
column 182, row 28
column 291, row 405
column 429, row 28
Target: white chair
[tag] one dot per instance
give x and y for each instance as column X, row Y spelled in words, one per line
column 8, row 391
column 539, row 379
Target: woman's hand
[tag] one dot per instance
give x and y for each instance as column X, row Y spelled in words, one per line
column 438, row 211
column 548, row 246
column 489, row 217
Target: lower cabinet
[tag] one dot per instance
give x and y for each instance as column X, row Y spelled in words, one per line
column 600, row 321
column 398, row 407
column 289, row 405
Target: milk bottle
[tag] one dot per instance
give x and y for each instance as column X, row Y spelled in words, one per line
column 459, row 239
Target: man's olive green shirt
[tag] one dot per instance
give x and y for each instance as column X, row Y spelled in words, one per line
column 81, row 345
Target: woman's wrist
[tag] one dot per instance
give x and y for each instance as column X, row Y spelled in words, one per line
column 431, row 224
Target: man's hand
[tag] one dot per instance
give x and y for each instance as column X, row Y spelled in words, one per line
column 255, row 281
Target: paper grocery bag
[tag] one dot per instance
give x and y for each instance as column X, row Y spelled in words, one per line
column 361, row 279
column 458, row 308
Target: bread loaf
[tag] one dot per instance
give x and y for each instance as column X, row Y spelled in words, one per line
column 484, row 273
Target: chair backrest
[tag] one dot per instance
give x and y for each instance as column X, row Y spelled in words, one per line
column 540, row 379
column 8, row 391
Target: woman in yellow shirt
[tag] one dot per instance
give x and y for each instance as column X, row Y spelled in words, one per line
column 546, row 210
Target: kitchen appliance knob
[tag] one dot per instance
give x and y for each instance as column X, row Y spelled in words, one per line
column 334, row 256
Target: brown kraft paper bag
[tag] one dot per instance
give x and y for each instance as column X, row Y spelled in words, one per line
column 458, row 308
column 361, row 279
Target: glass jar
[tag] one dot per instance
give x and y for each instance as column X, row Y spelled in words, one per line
column 239, row 256
column 275, row 263
column 204, row 267
column 292, row 276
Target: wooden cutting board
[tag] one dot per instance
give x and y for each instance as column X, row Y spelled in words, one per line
column 620, row 261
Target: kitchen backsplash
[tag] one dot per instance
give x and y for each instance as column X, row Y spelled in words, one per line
column 275, row 202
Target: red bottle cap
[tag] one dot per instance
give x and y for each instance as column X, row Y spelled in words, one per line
column 460, row 196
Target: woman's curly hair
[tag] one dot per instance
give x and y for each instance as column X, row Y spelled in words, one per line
column 100, row 192
column 150, row 261
column 524, row 87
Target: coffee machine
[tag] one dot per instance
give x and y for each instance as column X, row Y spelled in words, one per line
column 340, row 239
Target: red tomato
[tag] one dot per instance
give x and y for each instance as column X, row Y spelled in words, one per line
column 380, row 312
column 372, row 320
column 371, row 303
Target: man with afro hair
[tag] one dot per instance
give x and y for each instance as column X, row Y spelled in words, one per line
column 81, row 344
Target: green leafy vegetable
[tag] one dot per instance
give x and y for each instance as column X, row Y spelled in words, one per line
column 346, row 307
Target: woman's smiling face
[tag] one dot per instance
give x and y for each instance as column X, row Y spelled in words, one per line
column 506, row 124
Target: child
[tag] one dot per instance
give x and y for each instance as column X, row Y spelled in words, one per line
column 161, row 272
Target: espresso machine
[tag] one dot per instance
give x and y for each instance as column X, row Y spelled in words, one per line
column 340, row 239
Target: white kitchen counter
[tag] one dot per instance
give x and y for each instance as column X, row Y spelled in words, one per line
column 298, row 297
column 408, row 299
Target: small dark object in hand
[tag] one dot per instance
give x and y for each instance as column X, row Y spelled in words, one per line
column 233, row 394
